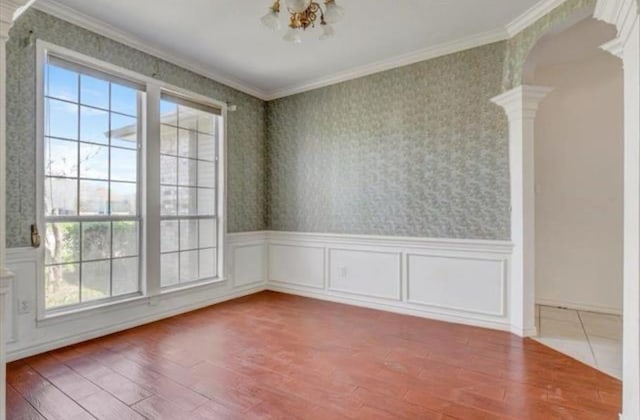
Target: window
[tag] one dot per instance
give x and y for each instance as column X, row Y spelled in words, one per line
column 91, row 194
column 95, row 183
column 188, row 153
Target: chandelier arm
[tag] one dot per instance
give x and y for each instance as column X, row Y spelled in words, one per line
column 306, row 18
column 322, row 21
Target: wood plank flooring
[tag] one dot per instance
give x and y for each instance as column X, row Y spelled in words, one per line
column 276, row 356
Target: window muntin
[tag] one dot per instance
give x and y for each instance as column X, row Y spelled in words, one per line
column 84, row 242
column 91, row 185
column 188, row 153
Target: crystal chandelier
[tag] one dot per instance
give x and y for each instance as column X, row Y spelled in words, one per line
column 304, row 14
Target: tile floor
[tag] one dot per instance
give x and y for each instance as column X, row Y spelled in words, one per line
column 590, row 337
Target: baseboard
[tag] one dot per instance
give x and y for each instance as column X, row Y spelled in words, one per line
column 527, row 332
column 578, row 306
column 398, row 308
column 89, row 335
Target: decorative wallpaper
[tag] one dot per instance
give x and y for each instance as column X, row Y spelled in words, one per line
column 415, row 151
column 519, row 47
column 246, row 129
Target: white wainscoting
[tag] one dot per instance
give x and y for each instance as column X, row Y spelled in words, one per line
column 365, row 273
column 245, row 274
column 463, row 281
column 475, row 285
column 296, row 265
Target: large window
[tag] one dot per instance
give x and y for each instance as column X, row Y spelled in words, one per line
column 188, row 191
column 97, row 122
column 91, row 189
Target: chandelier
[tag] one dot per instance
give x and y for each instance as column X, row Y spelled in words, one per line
column 304, row 14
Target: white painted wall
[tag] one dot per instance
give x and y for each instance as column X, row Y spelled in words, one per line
column 579, row 135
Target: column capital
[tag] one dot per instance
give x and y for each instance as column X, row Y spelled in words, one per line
column 614, row 47
column 10, row 10
column 522, row 102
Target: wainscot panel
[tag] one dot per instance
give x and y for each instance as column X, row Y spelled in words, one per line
column 297, row 265
column 458, row 283
column 366, row 272
column 456, row 280
column 248, row 260
column 37, row 336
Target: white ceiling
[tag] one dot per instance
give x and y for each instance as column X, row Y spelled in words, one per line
column 224, row 39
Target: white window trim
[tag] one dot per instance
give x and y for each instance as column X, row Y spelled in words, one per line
column 149, row 253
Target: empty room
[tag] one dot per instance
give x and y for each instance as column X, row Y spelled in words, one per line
column 331, row 209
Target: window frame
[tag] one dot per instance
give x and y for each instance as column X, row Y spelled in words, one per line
column 148, row 181
column 182, row 100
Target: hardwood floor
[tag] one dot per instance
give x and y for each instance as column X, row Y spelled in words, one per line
column 272, row 355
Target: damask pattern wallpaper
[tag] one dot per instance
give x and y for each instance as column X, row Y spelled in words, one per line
column 415, row 151
column 246, row 129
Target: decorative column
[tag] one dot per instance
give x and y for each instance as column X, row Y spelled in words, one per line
column 9, row 11
column 521, row 105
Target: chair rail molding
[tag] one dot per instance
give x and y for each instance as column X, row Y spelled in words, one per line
column 624, row 15
column 10, row 10
column 521, row 105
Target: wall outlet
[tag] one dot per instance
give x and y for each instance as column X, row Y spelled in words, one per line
column 24, row 307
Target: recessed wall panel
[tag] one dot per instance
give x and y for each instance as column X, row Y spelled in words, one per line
column 367, row 273
column 457, row 283
column 248, row 265
column 296, row 265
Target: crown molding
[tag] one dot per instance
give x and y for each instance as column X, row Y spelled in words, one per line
column 100, row 27
column 10, row 10
column 395, row 62
column 530, row 17
column 68, row 14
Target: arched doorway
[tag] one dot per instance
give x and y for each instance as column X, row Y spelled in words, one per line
column 578, row 205
column 521, row 102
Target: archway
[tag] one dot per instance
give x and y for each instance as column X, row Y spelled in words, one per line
column 521, row 103
column 578, row 208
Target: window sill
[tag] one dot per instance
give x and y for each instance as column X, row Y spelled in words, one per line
column 74, row 313
column 195, row 285
column 79, row 313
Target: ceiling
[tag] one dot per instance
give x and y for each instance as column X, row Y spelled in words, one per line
column 225, row 40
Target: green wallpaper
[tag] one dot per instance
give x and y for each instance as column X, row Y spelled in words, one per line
column 415, row 151
column 246, row 129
